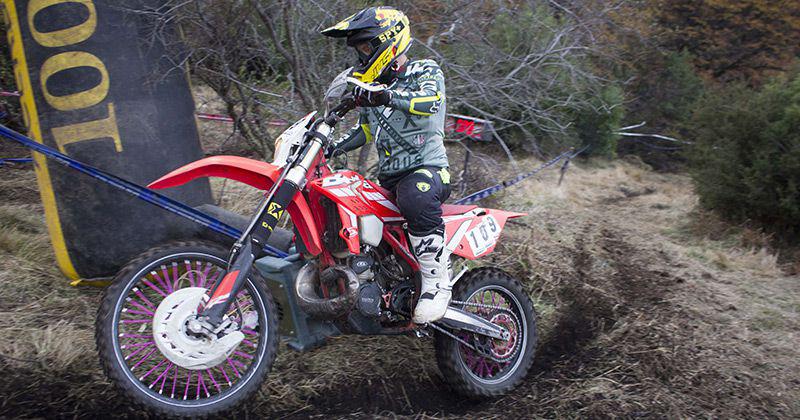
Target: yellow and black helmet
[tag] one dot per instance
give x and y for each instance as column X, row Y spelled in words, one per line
column 379, row 35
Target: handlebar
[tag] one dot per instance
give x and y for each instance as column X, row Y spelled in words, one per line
column 337, row 113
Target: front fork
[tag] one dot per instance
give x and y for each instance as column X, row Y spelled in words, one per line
column 252, row 243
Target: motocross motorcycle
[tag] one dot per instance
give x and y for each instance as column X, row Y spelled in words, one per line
column 191, row 328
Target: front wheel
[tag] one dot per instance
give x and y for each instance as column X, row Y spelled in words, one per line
column 147, row 352
column 490, row 367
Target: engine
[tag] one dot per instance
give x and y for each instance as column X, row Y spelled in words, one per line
column 386, row 287
column 373, row 290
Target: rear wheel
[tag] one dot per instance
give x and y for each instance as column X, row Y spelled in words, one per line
column 157, row 367
column 493, row 367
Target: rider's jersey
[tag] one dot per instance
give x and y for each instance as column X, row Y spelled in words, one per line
column 409, row 132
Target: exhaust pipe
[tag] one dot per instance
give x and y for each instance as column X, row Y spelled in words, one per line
column 308, row 281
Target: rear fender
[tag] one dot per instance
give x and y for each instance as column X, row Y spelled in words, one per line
column 257, row 174
column 475, row 233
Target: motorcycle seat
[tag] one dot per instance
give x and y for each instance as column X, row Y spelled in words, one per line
column 456, row 209
column 447, row 209
column 386, row 193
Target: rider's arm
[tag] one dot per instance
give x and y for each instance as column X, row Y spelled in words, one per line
column 425, row 101
column 356, row 136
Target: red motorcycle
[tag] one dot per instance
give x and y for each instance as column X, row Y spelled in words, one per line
column 192, row 329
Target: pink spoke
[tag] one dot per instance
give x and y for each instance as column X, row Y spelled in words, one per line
column 175, row 275
column 214, row 381
column 240, row 364
column 141, row 378
column 498, row 366
column 225, row 374
column 135, row 336
column 131, row 346
column 128, row 311
column 201, row 382
column 249, row 331
column 137, row 351
column 154, row 287
column 188, row 380
column 167, row 285
column 202, row 276
column 214, row 280
column 140, row 306
column 145, row 357
column 249, row 343
column 136, row 321
column 205, row 274
column 245, row 355
column 174, row 382
column 234, row 368
column 244, row 303
column 164, row 380
column 471, row 362
column 142, row 296
column 190, row 271
column 163, row 282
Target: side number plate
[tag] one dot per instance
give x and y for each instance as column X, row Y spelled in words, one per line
column 483, row 236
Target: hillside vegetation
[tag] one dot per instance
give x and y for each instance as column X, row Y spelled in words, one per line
column 665, row 270
column 648, row 307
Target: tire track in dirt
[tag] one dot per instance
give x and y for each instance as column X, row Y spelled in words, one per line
column 592, row 302
column 611, row 283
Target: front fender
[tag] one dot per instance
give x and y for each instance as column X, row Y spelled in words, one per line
column 255, row 173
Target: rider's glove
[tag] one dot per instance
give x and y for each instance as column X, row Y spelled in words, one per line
column 365, row 98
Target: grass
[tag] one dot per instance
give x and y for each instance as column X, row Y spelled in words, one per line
column 647, row 307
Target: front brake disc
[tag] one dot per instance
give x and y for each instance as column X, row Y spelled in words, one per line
column 174, row 342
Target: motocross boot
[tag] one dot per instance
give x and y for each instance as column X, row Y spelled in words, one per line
column 435, row 290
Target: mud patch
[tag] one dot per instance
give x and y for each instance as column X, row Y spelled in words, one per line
column 34, row 391
column 397, row 396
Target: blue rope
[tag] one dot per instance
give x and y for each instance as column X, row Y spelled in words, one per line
column 15, row 160
column 135, row 190
column 486, row 192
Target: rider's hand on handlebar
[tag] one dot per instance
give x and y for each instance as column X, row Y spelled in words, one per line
column 365, row 98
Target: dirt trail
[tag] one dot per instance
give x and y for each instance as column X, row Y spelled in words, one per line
column 639, row 316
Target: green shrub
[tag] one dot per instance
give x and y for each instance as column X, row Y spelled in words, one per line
column 664, row 89
column 596, row 126
column 746, row 159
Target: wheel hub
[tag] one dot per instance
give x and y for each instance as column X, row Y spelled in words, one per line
column 175, row 319
column 503, row 349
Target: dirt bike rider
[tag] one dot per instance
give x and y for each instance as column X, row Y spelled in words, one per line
column 406, row 122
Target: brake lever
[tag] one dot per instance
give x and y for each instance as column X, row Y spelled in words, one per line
column 337, row 113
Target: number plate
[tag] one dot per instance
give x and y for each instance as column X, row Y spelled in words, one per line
column 483, row 236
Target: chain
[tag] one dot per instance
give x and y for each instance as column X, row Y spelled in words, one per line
column 454, row 337
column 480, row 305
